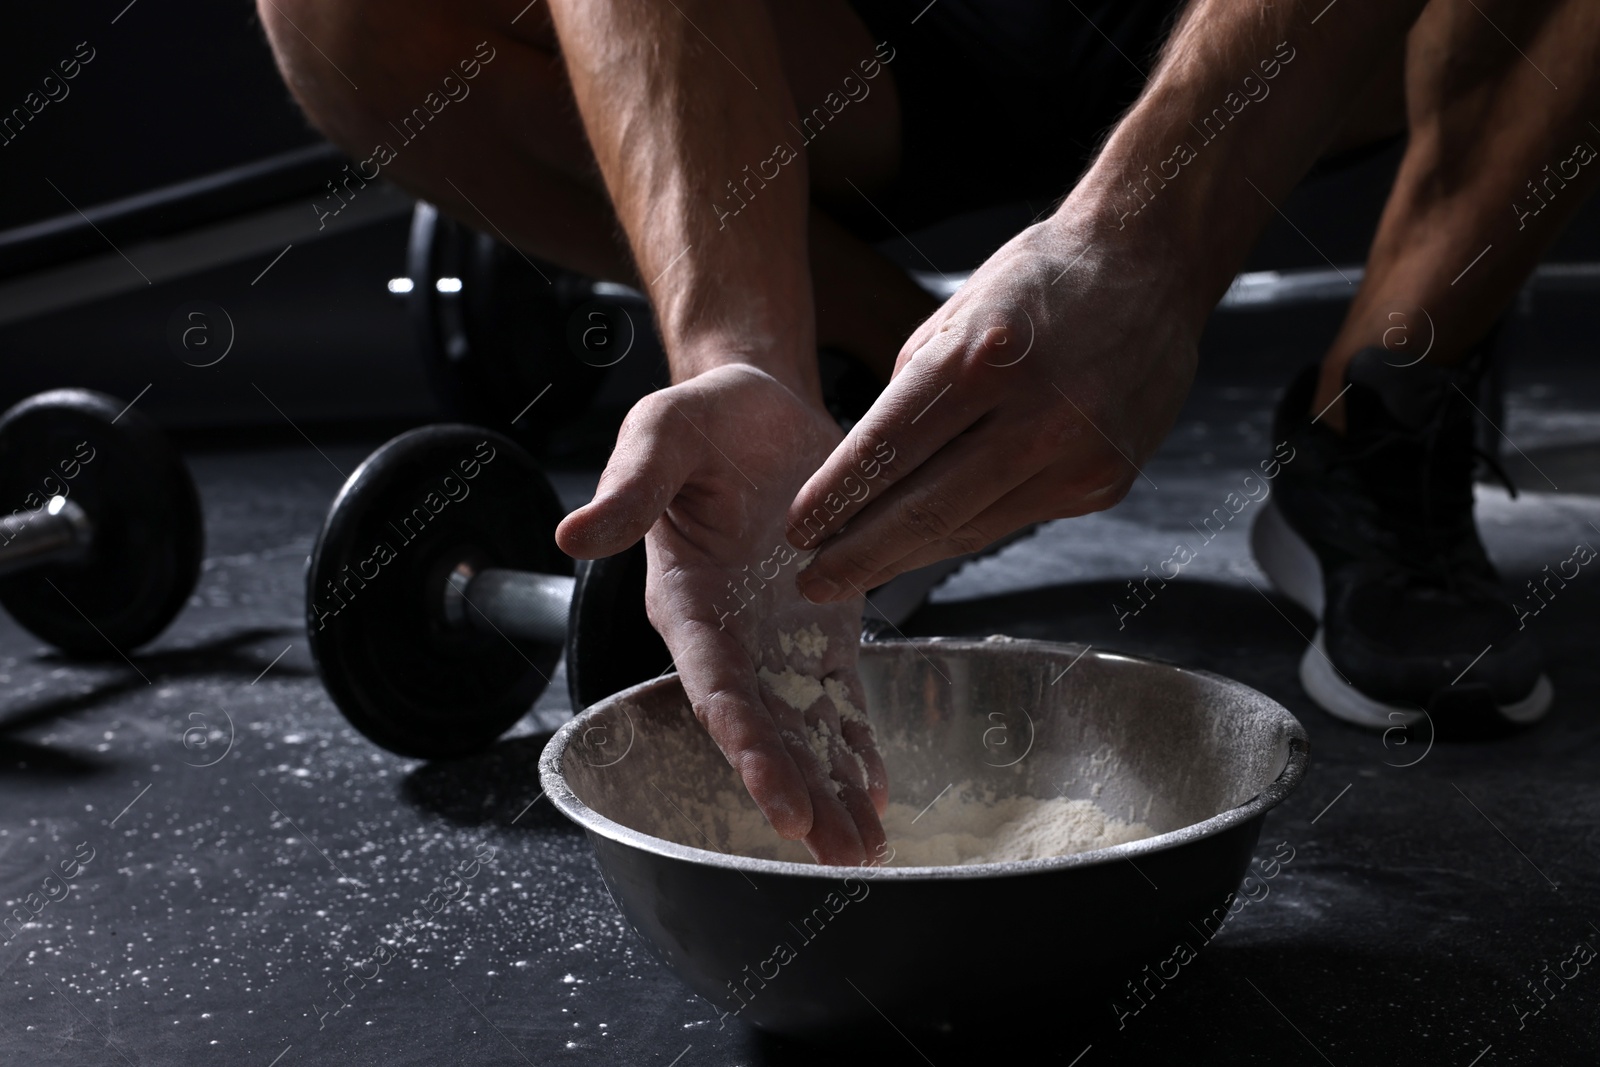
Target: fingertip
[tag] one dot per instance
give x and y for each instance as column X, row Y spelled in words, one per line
column 570, row 534
column 835, row 853
column 879, row 792
column 779, row 790
column 792, row 823
column 602, row 527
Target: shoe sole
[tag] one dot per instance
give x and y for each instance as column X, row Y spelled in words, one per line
column 1293, row 569
column 1286, row 559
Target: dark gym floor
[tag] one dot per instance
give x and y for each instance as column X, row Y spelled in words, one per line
column 246, row 843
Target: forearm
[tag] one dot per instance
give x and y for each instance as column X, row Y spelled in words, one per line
column 1242, row 103
column 692, row 142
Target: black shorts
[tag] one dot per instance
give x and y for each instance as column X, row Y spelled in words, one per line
column 1002, row 100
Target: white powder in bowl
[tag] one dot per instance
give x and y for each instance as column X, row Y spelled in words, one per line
column 966, row 825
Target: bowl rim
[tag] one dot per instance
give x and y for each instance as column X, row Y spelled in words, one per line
column 554, row 783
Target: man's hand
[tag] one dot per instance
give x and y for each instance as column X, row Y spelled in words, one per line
column 1036, row 392
column 1042, row 386
column 707, row 468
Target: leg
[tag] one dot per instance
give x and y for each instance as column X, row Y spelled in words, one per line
column 510, row 155
column 1415, row 621
column 1491, row 164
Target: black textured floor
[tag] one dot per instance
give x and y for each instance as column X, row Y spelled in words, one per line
column 238, row 846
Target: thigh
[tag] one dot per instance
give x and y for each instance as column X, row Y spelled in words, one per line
column 847, row 110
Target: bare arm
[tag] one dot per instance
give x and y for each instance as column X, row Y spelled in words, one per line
column 1255, row 94
column 679, row 125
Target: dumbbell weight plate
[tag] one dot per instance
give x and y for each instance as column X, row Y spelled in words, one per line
column 148, row 533
column 611, row 644
column 501, row 339
column 401, row 674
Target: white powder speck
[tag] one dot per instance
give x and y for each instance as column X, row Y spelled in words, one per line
column 799, row 691
column 840, row 696
column 810, row 642
column 820, row 738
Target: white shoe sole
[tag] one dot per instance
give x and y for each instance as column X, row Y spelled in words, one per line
column 1293, row 570
column 1286, row 559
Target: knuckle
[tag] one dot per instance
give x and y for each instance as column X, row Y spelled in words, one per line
column 647, row 413
column 986, row 349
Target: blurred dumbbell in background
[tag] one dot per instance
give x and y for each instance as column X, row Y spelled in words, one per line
column 101, row 536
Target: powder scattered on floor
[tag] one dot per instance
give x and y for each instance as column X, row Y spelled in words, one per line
column 810, row 642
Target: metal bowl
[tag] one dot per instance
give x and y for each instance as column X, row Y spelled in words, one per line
column 807, row 950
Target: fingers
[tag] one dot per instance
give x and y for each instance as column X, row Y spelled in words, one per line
column 848, row 696
column 935, row 504
column 836, row 837
column 846, row 829
column 720, row 682
column 1035, row 500
column 652, row 460
column 916, row 415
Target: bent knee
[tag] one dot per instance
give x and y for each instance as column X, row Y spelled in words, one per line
column 353, row 65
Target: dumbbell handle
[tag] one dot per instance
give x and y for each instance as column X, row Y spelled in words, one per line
column 536, row 606
column 58, row 532
column 521, row 604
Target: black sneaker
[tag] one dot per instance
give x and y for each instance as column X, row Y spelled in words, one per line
column 1372, row 532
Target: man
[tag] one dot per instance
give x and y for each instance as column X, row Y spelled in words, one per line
column 748, row 152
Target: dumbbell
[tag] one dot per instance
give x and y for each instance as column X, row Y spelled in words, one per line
column 101, row 536
column 438, row 604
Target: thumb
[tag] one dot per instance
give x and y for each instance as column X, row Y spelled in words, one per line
column 647, row 468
